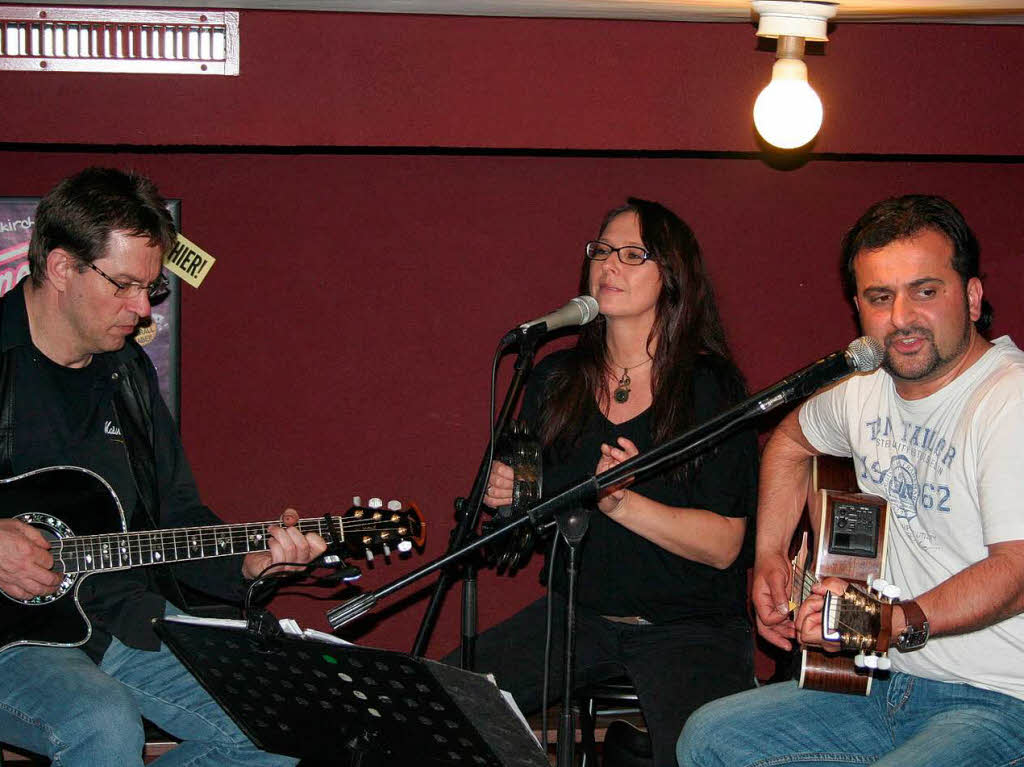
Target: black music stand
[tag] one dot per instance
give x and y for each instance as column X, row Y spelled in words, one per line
column 350, row 705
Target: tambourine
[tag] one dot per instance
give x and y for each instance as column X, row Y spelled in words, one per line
column 522, row 451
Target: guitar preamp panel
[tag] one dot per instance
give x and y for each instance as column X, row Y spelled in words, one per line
column 854, row 530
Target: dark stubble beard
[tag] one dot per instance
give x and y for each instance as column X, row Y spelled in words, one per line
column 935, row 361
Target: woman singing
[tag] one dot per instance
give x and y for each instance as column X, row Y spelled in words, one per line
column 662, row 587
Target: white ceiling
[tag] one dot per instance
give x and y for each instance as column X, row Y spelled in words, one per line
column 939, row 11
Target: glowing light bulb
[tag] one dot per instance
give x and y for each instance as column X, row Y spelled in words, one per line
column 788, row 112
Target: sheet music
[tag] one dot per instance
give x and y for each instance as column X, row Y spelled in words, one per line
column 288, row 625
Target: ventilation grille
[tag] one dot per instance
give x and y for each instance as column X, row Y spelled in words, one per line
column 54, row 39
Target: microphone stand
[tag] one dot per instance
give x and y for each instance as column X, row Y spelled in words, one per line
column 468, row 513
column 790, row 389
column 573, row 526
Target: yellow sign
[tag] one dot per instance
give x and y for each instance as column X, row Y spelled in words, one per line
column 189, row 261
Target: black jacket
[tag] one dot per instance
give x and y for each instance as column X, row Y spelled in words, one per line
column 124, row 603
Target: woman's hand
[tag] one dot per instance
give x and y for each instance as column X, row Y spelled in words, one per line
column 499, row 485
column 612, row 498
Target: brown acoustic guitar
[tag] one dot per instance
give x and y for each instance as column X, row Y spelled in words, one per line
column 851, row 535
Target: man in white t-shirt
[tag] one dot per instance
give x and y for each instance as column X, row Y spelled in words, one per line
column 939, row 433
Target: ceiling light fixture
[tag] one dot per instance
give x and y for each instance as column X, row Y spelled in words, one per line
column 788, row 112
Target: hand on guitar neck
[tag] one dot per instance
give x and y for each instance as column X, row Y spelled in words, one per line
column 286, row 544
column 809, row 618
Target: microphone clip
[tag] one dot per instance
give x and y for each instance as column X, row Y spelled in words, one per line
column 526, row 336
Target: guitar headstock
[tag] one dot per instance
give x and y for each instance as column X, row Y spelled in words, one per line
column 860, row 620
column 380, row 527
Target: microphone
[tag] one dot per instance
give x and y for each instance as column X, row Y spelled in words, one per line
column 579, row 311
column 863, row 355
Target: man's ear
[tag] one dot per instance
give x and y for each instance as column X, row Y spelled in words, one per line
column 59, row 265
column 974, row 295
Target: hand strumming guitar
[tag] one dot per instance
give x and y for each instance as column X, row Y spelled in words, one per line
column 286, row 544
column 770, row 596
column 25, row 561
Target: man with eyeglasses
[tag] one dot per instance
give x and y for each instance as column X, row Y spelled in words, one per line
column 76, row 390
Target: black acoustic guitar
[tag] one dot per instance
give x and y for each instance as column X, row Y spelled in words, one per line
column 81, row 516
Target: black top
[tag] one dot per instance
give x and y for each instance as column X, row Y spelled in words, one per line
column 624, row 574
column 66, row 416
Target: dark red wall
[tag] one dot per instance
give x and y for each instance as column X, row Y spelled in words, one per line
column 342, row 343
column 394, row 81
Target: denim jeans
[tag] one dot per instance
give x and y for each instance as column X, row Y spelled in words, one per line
column 907, row 721
column 55, row 701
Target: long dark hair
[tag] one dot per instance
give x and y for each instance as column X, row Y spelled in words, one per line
column 687, row 328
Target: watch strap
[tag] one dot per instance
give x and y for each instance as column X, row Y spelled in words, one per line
column 915, row 634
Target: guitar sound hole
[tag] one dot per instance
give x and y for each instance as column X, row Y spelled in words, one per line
column 53, row 530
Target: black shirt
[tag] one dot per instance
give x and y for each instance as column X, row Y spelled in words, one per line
column 624, row 574
column 66, row 416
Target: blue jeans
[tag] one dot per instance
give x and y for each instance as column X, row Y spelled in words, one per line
column 906, row 721
column 57, row 702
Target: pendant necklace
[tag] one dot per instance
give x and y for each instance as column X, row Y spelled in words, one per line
column 621, row 393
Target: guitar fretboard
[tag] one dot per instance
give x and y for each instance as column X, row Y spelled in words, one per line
column 113, row 551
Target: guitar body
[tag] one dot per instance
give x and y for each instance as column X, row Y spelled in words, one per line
column 59, row 501
column 851, row 540
column 81, row 516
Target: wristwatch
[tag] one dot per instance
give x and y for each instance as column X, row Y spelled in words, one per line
column 915, row 634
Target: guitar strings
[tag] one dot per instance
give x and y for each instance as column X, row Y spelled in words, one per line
column 807, row 580
column 216, row 531
column 208, row 541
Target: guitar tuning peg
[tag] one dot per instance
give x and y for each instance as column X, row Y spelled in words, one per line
column 871, row 661
column 884, row 664
column 394, row 505
column 387, row 551
column 375, row 503
column 892, row 592
column 859, row 660
column 357, row 500
column 869, row 581
column 879, row 584
column 404, row 546
column 369, row 555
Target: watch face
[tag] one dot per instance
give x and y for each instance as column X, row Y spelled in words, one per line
column 912, row 638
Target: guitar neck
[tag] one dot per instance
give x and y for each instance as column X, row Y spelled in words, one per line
column 119, row 551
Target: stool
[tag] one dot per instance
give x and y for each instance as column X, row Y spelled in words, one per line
column 157, row 744
column 611, row 698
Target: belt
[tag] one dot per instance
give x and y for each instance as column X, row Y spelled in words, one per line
column 632, row 620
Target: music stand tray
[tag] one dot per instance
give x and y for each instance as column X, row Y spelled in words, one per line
column 318, row 700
